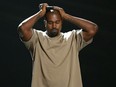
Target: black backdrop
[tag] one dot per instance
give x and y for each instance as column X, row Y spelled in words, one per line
column 97, row 60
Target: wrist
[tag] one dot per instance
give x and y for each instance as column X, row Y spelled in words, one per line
column 65, row 16
column 41, row 13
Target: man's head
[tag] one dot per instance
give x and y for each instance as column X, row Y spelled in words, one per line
column 53, row 22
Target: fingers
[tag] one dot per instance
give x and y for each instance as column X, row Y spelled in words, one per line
column 61, row 10
column 43, row 5
column 42, row 8
column 57, row 8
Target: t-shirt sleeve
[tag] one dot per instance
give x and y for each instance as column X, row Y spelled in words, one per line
column 80, row 41
column 33, row 40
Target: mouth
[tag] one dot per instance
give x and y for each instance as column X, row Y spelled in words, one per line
column 53, row 33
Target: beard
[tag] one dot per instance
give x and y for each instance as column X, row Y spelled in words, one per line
column 53, row 32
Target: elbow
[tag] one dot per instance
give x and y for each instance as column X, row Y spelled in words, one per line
column 94, row 29
column 90, row 33
column 20, row 29
column 24, row 31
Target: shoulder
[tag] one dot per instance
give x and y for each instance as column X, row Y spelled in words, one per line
column 39, row 32
column 72, row 32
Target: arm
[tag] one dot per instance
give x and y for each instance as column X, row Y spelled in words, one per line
column 89, row 28
column 25, row 27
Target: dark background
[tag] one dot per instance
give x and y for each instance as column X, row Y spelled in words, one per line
column 97, row 60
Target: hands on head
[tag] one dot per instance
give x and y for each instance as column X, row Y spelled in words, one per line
column 43, row 7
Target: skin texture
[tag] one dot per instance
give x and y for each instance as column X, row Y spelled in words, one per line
column 54, row 21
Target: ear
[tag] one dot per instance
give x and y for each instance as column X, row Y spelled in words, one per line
column 45, row 23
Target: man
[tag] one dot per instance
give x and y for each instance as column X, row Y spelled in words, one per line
column 55, row 54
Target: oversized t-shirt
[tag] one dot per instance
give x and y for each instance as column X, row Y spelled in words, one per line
column 55, row 60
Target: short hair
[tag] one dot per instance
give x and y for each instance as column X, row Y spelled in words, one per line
column 51, row 11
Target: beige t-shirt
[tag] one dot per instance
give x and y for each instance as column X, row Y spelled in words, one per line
column 55, row 60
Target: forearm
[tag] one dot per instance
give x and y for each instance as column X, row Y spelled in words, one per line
column 25, row 27
column 89, row 28
column 86, row 25
column 29, row 22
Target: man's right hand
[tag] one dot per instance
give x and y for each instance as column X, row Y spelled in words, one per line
column 42, row 7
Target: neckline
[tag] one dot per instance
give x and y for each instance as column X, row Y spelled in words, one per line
column 56, row 37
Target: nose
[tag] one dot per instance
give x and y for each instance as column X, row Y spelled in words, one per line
column 54, row 25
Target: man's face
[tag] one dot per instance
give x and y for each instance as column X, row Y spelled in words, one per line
column 53, row 24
